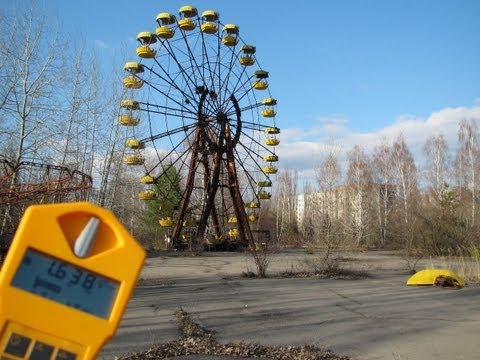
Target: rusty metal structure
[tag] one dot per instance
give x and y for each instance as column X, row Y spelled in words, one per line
column 197, row 91
column 33, row 181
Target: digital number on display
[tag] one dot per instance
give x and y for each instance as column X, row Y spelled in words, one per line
column 65, row 283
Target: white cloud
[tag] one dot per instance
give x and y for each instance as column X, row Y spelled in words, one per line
column 301, row 148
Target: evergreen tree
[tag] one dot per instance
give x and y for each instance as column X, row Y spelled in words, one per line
column 167, row 186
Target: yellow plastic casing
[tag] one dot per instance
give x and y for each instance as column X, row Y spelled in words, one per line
column 34, row 323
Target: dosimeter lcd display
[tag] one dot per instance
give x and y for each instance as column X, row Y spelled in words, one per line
column 66, row 282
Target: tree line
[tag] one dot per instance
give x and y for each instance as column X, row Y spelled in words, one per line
column 386, row 199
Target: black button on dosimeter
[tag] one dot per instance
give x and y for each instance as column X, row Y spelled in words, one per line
column 41, row 351
column 17, row 345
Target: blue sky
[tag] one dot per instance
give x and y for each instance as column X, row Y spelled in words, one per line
column 346, row 69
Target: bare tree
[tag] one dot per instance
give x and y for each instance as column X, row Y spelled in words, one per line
column 359, row 186
column 31, row 49
column 405, row 173
column 437, row 160
column 284, row 198
column 6, row 76
column 326, row 206
column 383, row 176
column 468, row 162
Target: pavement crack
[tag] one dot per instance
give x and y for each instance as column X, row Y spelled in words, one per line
column 354, row 311
column 345, row 297
column 407, row 318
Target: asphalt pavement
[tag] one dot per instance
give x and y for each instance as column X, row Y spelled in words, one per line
column 374, row 318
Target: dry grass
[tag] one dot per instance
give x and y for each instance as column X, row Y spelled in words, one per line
column 466, row 267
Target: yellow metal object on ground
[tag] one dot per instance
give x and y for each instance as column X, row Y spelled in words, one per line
column 66, row 282
column 428, row 276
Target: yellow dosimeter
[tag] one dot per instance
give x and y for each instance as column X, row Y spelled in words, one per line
column 66, row 282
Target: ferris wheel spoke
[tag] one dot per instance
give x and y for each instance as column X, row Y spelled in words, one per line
column 252, row 126
column 249, row 153
column 166, row 109
column 243, row 109
column 251, row 180
column 239, row 84
column 187, row 80
column 247, row 88
column 205, row 60
column 170, row 114
column 170, row 81
column 192, row 59
column 226, row 79
column 251, row 107
column 247, row 92
column 168, row 96
column 171, row 152
column 170, row 133
column 265, row 148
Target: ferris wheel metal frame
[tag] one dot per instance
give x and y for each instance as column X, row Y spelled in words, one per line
column 205, row 120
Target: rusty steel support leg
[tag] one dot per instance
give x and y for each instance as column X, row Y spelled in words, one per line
column 182, row 210
column 238, row 205
column 210, row 201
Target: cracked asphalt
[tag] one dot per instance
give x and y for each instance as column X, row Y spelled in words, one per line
column 374, row 318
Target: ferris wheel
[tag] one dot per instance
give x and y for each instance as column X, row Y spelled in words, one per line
column 199, row 104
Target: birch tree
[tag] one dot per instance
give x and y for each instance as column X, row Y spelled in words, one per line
column 327, row 206
column 468, row 163
column 359, row 185
column 437, row 162
column 405, row 173
column 285, row 198
column 383, row 176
